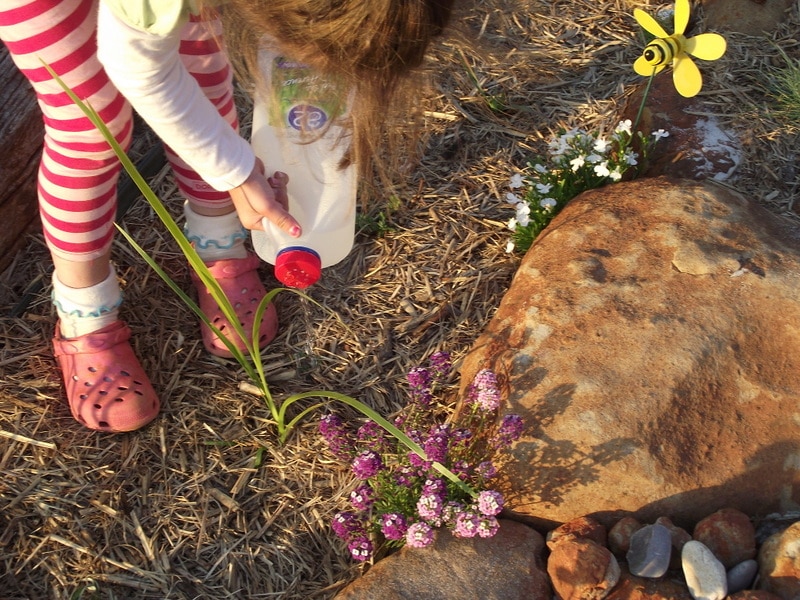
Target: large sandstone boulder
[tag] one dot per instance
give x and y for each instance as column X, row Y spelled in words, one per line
column 651, row 341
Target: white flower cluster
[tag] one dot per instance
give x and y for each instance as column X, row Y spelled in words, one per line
column 577, row 161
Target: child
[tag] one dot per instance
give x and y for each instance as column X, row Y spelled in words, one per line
column 164, row 58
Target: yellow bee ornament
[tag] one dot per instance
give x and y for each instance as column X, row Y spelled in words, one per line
column 677, row 50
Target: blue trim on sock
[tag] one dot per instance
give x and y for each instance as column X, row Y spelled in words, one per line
column 206, row 243
column 102, row 310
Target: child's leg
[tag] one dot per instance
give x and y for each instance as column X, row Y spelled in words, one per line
column 212, row 224
column 77, row 182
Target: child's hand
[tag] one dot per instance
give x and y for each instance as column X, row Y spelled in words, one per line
column 259, row 197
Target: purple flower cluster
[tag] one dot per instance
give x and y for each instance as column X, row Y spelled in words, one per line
column 367, row 464
column 371, row 435
column 422, row 380
column 347, row 525
column 419, row 385
column 362, row 498
column 335, row 432
column 393, row 526
column 440, row 365
column 402, row 497
column 484, row 392
column 419, row 535
column 360, row 548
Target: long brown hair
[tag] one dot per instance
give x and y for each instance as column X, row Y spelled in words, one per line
column 370, row 46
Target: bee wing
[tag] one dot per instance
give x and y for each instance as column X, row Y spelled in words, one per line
column 643, row 68
column 649, row 24
column 706, row 46
column 681, row 16
column 686, row 76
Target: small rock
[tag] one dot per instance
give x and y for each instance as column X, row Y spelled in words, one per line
column 779, row 563
column 742, row 575
column 619, row 536
column 581, row 528
column 729, row 534
column 679, row 537
column 650, row 550
column 705, row 575
column 581, row 569
column 631, row 587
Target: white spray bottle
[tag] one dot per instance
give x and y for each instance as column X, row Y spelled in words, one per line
column 296, row 131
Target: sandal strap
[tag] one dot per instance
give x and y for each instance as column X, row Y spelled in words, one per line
column 98, row 341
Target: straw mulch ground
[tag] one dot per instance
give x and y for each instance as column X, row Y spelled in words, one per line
column 182, row 509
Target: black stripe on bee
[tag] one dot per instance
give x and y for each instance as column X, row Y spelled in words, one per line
column 661, row 51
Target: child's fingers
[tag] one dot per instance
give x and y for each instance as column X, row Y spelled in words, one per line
column 255, row 200
column 278, row 183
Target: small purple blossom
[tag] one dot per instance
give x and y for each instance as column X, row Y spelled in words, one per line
column 488, row 527
column 429, row 507
column 362, row 498
column 486, row 470
column 393, row 526
column 484, row 391
column 419, row 535
column 419, row 383
column 440, row 364
column 367, row 464
column 466, row 524
column 360, row 548
column 415, row 460
column 462, row 469
column 335, row 432
column 435, row 485
column 461, row 435
column 450, row 511
column 436, row 447
column 490, row 503
column 415, row 435
column 371, row 435
column 405, row 476
column 346, row 525
column 330, row 424
column 509, row 431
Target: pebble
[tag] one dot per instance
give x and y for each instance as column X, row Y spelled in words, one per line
column 742, row 575
column 729, row 534
column 705, row 575
column 619, row 536
column 649, row 552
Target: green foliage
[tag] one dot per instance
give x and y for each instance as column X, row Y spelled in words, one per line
column 785, row 91
column 378, row 224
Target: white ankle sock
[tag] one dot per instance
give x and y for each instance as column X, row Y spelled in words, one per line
column 215, row 238
column 84, row 310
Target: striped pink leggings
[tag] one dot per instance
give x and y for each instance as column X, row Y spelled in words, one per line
column 78, row 172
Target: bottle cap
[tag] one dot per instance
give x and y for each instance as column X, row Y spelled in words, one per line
column 297, row 267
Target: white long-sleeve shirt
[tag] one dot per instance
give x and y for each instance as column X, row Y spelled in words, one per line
column 138, row 47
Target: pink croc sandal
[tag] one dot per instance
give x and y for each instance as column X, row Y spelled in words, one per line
column 238, row 278
column 106, row 386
